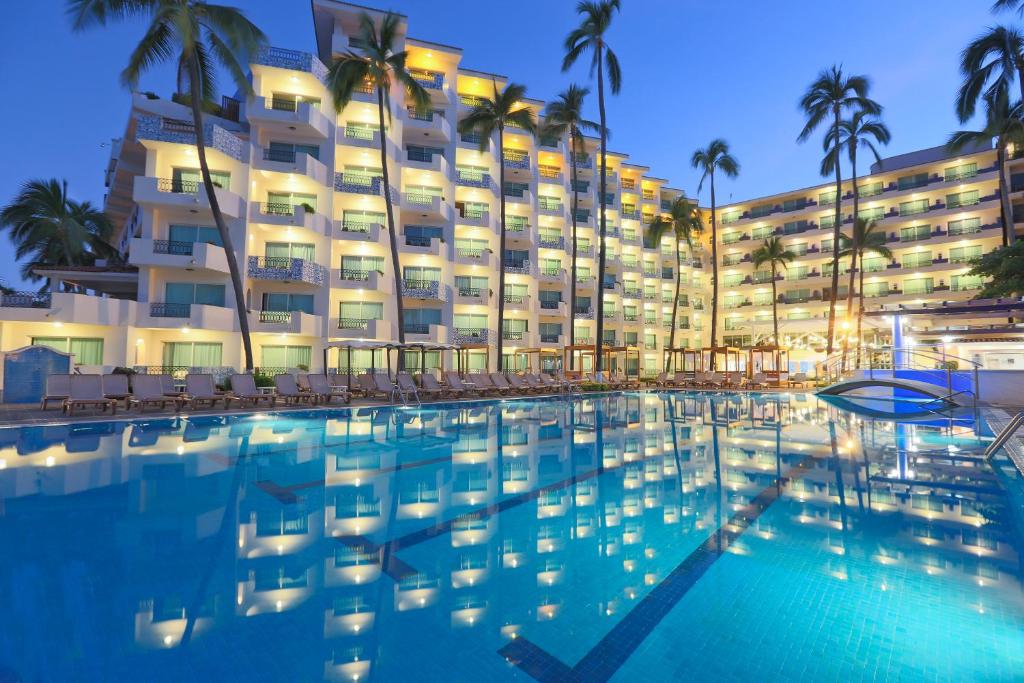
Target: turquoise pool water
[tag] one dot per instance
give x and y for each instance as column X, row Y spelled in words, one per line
column 628, row 537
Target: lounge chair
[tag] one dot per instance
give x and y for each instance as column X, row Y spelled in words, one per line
column 546, row 382
column 715, row 380
column 733, row 379
column 58, row 388
column 483, row 383
column 87, row 391
column 199, row 391
column 661, row 380
column 302, row 380
column 502, row 385
column 457, row 384
column 324, row 392
column 148, row 390
column 116, row 387
column 799, row 379
column 405, row 385
column 520, row 385
column 245, row 391
column 168, row 387
column 288, row 390
column 430, row 386
column 757, row 381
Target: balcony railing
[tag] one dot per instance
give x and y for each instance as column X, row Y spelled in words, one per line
column 353, row 275
column 549, row 305
column 515, row 298
column 25, row 300
column 275, row 317
column 173, row 247
column 166, row 310
column 464, row 252
column 286, row 268
column 177, row 186
column 355, row 225
column 516, row 159
column 512, row 335
column 552, row 242
column 353, row 323
column 473, row 292
column 293, row 60
column 421, row 289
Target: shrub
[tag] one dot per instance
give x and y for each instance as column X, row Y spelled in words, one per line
column 263, row 380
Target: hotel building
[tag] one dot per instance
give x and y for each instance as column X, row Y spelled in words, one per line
column 301, row 188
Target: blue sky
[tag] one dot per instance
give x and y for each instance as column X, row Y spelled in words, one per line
column 693, row 70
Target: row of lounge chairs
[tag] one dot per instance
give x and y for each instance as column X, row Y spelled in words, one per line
column 725, row 380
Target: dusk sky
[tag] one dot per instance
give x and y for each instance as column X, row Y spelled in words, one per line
column 693, row 70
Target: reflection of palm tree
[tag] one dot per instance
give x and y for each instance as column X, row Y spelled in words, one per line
column 715, row 451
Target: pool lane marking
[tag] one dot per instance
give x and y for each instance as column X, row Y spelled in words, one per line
column 612, row 651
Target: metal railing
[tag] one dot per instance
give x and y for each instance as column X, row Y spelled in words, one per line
column 275, row 317
column 25, row 300
column 167, row 310
column 932, row 367
column 173, row 247
column 353, row 323
column 1003, row 436
column 177, row 186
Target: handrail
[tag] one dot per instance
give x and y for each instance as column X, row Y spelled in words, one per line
column 1002, row 437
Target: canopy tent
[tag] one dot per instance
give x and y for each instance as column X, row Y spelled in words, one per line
column 581, row 351
column 768, row 360
column 722, row 359
column 347, row 346
column 462, row 352
column 551, row 355
column 683, row 359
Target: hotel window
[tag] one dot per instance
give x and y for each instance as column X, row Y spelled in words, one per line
column 189, row 180
column 913, row 207
column 876, row 288
column 514, row 327
column 549, row 234
column 909, row 182
column 422, row 235
column 516, row 189
column 192, row 354
column 798, row 315
column 964, row 254
column 422, row 195
column 923, row 285
column 582, row 273
column 730, row 217
column 760, row 210
column 794, row 204
column 761, row 276
column 763, row 317
column 419, row 320
column 281, row 522
column 191, row 234
column 358, row 130
column 874, row 264
column 915, row 233
column 917, row 259
column 191, row 293
column 472, row 209
column 959, row 199
column 869, row 189
column 471, row 285
column 85, row 351
column 286, row 356
column 285, row 202
column 289, row 250
column 796, row 272
column 360, row 221
column 962, row 283
column 798, row 248
column 550, row 266
column 732, row 301
column 965, row 226
column 732, row 279
column 361, row 175
column 283, row 301
column 284, row 101
column 514, row 258
column 873, row 214
column 827, row 198
column 793, row 227
column 470, row 321
column 360, row 310
column 516, row 292
column 732, row 236
column 516, row 223
column 421, row 274
column 732, row 259
column 470, row 247
column 827, row 221
column 471, row 173
column 362, row 264
column 961, row 172
column 734, row 323
column 421, row 153
column 761, row 231
column 288, row 151
column 762, row 298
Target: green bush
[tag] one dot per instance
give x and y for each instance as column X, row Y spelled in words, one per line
column 263, row 380
column 596, row 386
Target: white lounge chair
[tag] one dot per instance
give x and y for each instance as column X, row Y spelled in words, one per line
column 288, row 391
column 115, row 386
column 147, row 390
column 58, row 388
column 200, row 391
column 87, row 391
column 245, row 390
column 463, row 387
column 324, row 392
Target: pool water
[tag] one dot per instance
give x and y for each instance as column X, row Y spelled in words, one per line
column 631, row 536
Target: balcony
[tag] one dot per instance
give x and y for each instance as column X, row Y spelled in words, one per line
column 359, row 136
column 292, row 60
column 551, row 243
column 470, row 335
column 285, row 269
column 427, row 246
column 552, row 276
column 289, row 116
column 517, row 302
column 516, row 159
column 430, row 127
column 584, row 314
column 184, row 195
column 359, row 328
column 551, row 175
column 286, row 322
column 520, row 197
column 360, row 183
column 420, row 161
column 518, row 268
column 195, row 316
column 550, row 208
column 424, row 289
column 475, row 296
column 290, row 161
column 472, row 217
column 289, row 215
column 65, row 307
column 170, row 254
column 430, row 206
column 468, row 178
column 425, row 333
column 558, row 309
column 362, row 280
column 162, row 129
column 357, row 230
column 475, row 257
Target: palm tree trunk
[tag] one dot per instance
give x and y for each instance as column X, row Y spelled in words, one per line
column 675, row 310
column 572, row 275
column 1009, row 229
column 392, row 231
column 714, row 273
column 501, row 249
column 860, row 307
column 775, row 307
column 853, row 254
column 835, row 246
column 599, row 341
column 218, row 217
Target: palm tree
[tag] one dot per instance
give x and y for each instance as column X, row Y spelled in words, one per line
column 488, row 116
column 196, row 35
column 861, row 130
column 831, row 94
column 1005, row 123
column 865, row 238
column 378, row 65
column 1004, row 271
column 564, row 116
column 48, row 228
column 775, row 254
column 1001, row 5
column 714, row 157
column 590, row 35
column 989, row 65
column 683, row 224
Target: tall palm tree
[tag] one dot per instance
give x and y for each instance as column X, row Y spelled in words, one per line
column 683, row 224
column 990, row 64
column 590, row 35
column 564, row 116
column 197, row 36
column 48, row 228
column 1001, row 5
column 774, row 253
column 714, row 157
column 865, row 238
column 378, row 65
column 1004, row 122
column 488, row 116
column 861, row 130
column 830, row 95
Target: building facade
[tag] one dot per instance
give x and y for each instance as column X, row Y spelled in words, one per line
column 301, row 188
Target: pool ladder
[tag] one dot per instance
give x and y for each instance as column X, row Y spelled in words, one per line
column 1003, row 436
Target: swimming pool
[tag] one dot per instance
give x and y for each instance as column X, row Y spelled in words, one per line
column 630, row 536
